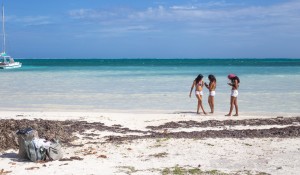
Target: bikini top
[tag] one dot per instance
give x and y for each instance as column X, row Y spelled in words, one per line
column 199, row 84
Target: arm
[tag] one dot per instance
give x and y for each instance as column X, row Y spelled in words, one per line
column 192, row 88
column 234, row 84
column 230, row 84
column 206, row 85
column 202, row 83
column 211, row 86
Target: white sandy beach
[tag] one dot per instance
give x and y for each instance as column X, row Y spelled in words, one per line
column 159, row 155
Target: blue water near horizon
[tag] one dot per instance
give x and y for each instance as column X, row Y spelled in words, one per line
column 267, row 85
column 163, row 62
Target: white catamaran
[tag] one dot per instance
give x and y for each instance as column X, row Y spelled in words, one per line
column 6, row 62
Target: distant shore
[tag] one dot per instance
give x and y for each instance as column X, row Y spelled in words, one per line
column 135, row 143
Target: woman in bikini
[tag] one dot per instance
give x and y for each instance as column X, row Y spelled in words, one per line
column 234, row 94
column 211, row 87
column 198, row 84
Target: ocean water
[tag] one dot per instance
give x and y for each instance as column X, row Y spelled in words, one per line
column 150, row 85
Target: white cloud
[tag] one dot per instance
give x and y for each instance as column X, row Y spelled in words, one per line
column 81, row 13
column 32, row 20
column 207, row 16
column 90, row 14
column 222, row 3
column 183, row 7
column 242, row 20
column 116, row 31
column 126, row 29
column 191, row 13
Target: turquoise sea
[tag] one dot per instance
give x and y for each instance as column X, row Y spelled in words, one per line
column 267, row 85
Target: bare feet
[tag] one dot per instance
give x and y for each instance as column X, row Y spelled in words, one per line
column 203, row 113
column 228, row 115
column 236, row 115
column 211, row 112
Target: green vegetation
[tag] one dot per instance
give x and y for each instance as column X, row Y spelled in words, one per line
column 166, row 171
column 127, row 169
column 177, row 170
column 194, row 171
column 159, row 142
column 262, row 173
column 185, row 170
column 159, row 155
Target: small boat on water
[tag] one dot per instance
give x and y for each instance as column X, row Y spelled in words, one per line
column 6, row 62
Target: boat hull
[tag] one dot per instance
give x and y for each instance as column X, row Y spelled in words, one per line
column 11, row 66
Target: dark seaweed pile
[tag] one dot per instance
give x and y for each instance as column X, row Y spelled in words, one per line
column 48, row 129
column 216, row 123
column 287, row 132
column 63, row 130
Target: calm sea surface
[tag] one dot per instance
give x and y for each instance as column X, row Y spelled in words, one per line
column 267, row 85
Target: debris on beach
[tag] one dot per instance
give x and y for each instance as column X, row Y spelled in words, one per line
column 32, row 168
column 65, row 130
column 71, row 158
column 3, row 172
column 102, row 156
column 64, row 164
column 216, row 123
column 76, row 158
column 49, row 129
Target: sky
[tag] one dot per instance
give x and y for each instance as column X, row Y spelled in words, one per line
column 152, row 28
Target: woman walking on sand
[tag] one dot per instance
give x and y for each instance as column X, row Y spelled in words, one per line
column 198, row 84
column 211, row 87
column 234, row 94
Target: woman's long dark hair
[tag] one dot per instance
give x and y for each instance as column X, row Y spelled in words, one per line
column 238, row 79
column 199, row 78
column 235, row 78
column 212, row 78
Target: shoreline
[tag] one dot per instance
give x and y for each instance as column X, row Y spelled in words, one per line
column 161, row 143
column 114, row 113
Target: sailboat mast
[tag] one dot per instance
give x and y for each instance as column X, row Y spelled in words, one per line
column 3, row 28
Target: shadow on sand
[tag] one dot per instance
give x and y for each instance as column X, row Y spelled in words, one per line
column 185, row 112
column 13, row 157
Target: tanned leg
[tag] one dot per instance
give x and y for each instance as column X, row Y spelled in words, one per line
column 202, row 105
column 199, row 102
column 212, row 104
column 209, row 102
column 236, row 108
column 231, row 105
